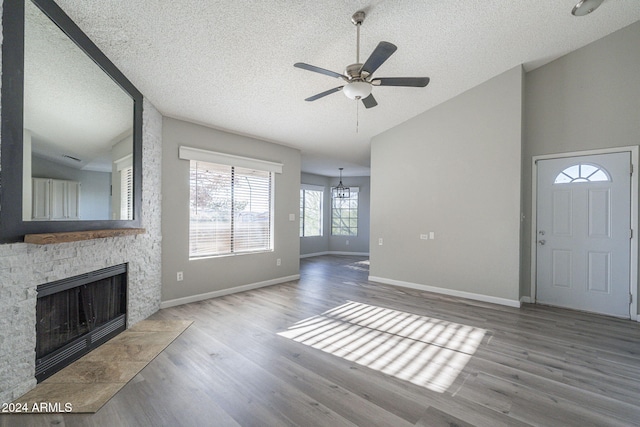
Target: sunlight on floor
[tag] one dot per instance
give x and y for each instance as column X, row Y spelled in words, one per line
column 424, row 351
column 359, row 265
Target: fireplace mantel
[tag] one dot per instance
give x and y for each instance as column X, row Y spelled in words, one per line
column 74, row 236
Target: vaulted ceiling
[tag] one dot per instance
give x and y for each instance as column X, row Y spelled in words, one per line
column 229, row 64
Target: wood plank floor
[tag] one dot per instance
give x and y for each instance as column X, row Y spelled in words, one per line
column 534, row 366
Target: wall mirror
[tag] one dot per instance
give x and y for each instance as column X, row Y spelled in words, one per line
column 71, row 129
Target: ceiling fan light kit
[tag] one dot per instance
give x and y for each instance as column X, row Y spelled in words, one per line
column 358, row 76
column 357, row 90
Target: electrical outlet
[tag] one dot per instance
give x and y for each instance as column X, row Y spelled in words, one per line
column 380, row 241
column 278, row 262
column 347, row 242
column 180, row 276
column 292, row 217
column 424, row 237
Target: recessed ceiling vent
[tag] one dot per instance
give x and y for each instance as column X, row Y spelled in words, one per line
column 71, row 157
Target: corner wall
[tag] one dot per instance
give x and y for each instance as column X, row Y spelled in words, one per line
column 453, row 170
column 588, row 99
column 327, row 244
column 209, row 277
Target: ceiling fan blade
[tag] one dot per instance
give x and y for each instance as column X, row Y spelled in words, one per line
column 381, row 53
column 325, row 93
column 401, row 81
column 318, row 70
column 369, row 101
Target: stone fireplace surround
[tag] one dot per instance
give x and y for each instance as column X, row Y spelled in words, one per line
column 25, row 266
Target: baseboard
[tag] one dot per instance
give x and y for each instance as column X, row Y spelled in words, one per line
column 334, row 253
column 314, row 254
column 223, row 292
column 445, row 291
column 525, row 300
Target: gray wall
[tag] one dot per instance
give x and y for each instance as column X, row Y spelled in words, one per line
column 454, row 170
column 95, row 191
column 206, row 277
column 588, row 99
column 338, row 244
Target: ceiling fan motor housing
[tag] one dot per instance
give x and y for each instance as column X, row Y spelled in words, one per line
column 353, row 72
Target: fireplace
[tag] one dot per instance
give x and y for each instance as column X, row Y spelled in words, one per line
column 78, row 314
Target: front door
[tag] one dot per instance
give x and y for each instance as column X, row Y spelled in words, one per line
column 584, row 232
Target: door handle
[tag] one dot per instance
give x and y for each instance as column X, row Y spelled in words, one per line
column 542, row 242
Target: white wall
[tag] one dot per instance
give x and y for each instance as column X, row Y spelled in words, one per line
column 216, row 276
column 454, row 170
column 338, row 244
column 95, row 191
column 588, row 99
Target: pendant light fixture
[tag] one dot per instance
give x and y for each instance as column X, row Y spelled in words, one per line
column 341, row 192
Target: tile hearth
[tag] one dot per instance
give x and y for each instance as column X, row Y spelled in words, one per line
column 88, row 383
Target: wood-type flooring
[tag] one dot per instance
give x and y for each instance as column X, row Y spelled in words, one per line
column 235, row 365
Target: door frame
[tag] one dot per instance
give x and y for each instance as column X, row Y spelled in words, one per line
column 633, row 265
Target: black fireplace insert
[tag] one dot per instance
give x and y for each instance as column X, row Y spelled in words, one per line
column 78, row 314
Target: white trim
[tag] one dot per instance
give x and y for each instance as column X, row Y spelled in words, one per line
column 635, row 161
column 333, row 253
column 312, row 187
column 446, row 291
column 348, row 253
column 189, row 153
column 525, row 300
column 124, row 162
column 223, row 292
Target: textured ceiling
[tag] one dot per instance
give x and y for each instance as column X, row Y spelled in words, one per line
column 229, row 64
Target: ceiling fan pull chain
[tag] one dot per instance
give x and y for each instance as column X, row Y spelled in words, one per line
column 357, row 116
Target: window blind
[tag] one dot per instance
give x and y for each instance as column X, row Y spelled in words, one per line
column 230, row 209
column 126, row 193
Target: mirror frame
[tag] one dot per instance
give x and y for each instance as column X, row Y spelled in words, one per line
column 12, row 226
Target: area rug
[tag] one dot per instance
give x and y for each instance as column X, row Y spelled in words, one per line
column 88, row 383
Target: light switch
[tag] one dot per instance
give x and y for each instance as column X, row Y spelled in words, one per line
column 432, row 235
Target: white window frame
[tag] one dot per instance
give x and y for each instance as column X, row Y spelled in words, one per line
column 196, row 154
column 318, row 188
column 352, row 191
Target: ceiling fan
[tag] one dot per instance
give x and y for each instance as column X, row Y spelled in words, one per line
column 359, row 77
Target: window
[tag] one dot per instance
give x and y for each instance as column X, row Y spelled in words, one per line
column 230, row 210
column 582, row 172
column 126, row 193
column 231, row 203
column 344, row 214
column 123, row 182
column 311, row 198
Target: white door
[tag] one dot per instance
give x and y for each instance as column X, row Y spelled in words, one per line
column 584, row 232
